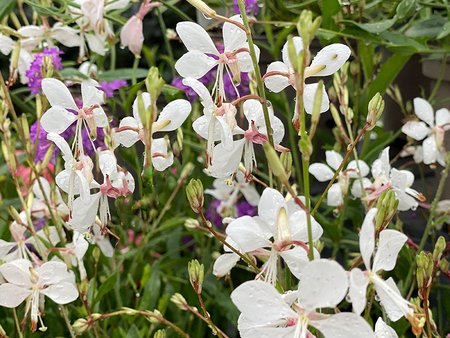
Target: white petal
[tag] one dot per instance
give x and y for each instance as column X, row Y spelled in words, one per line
column 245, row 60
column 31, row 31
column 161, row 158
column 367, row 237
column 389, row 245
column 91, row 95
column 353, row 167
column 334, row 196
column 176, row 112
column 54, row 272
column 66, row 35
column 107, row 163
column 250, row 194
column 62, row 293
column 416, row 130
column 6, row 44
column 348, row 325
column 17, row 272
column 276, row 83
column 96, row 43
column 12, row 296
column 62, row 144
column 298, row 224
column 382, row 330
column 298, row 43
column 261, row 302
column 296, row 260
column 194, row 64
column 253, row 111
column 393, row 303
column 233, row 36
column 324, row 284
column 57, row 119
column 357, row 291
column 247, row 233
column 381, row 166
column 401, row 179
column 58, row 94
column 332, row 57
column 443, row 117
column 224, row 263
column 84, row 213
column 269, row 206
column 195, row 38
column 255, row 329
column 146, row 102
column 424, row 111
column 321, row 172
column 406, row 202
column 127, row 137
column 430, row 150
column 309, row 95
column 357, row 190
column 334, row 159
column 203, row 92
column 277, row 128
column 225, row 161
column 226, row 135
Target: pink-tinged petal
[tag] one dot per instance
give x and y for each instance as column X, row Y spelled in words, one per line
column 107, row 163
column 276, row 83
column 127, row 137
column 225, row 162
column 358, row 283
column 416, row 130
column 321, row 172
column 324, row 283
column 12, row 296
column 247, row 233
column 309, row 95
column 298, row 43
column 132, row 36
column 332, row 57
column 194, row 64
column 382, row 330
column 195, row 38
column 443, row 118
column 58, row 94
column 269, row 206
column 17, row 272
column 367, row 237
column 424, row 111
column 176, row 112
column 62, row 293
column 389, row 245
column 57, row 119
column 334, row 196
column 334, row 159
column 233, row 36
column 66, row 35
column 430, row 150
column 261, row 302
column 297, row 222
column 146, row 101
column 344, row 324
column 296, row 260
column 224, row 263
column 393, row 303
column 161, row 158
column 203, row 92
column 54, row 272
column 84, row 213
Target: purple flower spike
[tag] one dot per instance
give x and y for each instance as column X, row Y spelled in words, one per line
column 110, row 87
column 34, row 72
column 251, row 7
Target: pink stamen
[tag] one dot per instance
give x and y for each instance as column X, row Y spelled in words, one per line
column 254, row 135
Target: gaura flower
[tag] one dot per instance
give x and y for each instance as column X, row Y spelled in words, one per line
column 25, row 282
column 34, row 35
column 323, row 173
column 40, row 207
column 431, row 129
column 382, row 330
column 265, row 313
column 131, row 129
column 384, row 258
column 280, row 227
column 203, row 55
column 328, row 60
column 7, row 45
column 75, row 252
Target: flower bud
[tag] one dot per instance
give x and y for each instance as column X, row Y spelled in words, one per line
column 439, row 248
column 336, row 117
column 160, row 334
column 316, row 109
column 179, row 301
column 203, row 8
column 154, row 83
column 80, row 326
column 191, row 224
column 196, row 275
column 275, row 164
column 443, row 265
column 286, row 160
column 131, row 36
column 387, row 208
column 375, row 110
column 194, row 193
column 180, row 138
column 296, row 59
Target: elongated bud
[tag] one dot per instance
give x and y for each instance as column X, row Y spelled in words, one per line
column 14, row 214
column 180, row 138
column 194, row 193
column 160, row 334
column 154, row 83
column 187, row 169
column 10, row 159
column 293, row 56
column 196, row 275
column 143, row 111
column 316, row 109
column 286, row 160
column 375, row 110
column 80, row 326
column 387, row 205
column 439, row 248
column 335, row 115
column 275, row 164
column 191, row 224
column 203, row 7
column 179, row 301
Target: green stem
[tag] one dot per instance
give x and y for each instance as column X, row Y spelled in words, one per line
column 163, row 27
column 134, row 71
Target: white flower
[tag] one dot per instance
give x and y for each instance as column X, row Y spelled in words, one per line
column 431, row 129
column 400, row 181
column 280, row 227
column 34, row 35
column 384, row 258
column 382, row 330
column 323, row 173
column 203, row 55
column 44, row 195
column 226, row 161
column 266, row 314
column 76, row 251
column 328, row 60
column 7, row 45
column 24, row 282
column 131, row 129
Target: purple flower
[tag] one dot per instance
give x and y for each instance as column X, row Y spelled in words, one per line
column 242, row 208
column 38, row 66
column 251, row 7
column 243, row 88
column 110, row 87
column 39, row 137
column 212, row 215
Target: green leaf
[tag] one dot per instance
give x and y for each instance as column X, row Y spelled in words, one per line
column 73, row 73
column 329, row 9
column 6, row 6
column 397, row 40
column 122, row 74
column 406, row 9
column 375, row 27
column 366, row 52
column 445, row 31
column 429, row 28
column 105, row 287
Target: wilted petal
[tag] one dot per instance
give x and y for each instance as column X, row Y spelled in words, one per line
column 424, row 111
column 357, row 291
column 416, row 130
column 195, row 38
column 348, row 325
column 194, row 64
column 309, row 95
column 57, row 119
column 367, row 237
column 389, row 245
column 332, row 57
column 12, row 296
column 57, row 94
column 321, row 172
column 224, row 263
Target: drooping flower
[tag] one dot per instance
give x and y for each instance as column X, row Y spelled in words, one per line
column 431, row 129
column 265, row 313
column 384, row 258
column 35, row 72
column 323, row 173
column 279, row 230
column 203, row 55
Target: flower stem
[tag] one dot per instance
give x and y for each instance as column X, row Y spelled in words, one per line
column 209, row 320
column 134, row 71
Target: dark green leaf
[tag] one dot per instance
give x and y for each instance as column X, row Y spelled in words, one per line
column 445, row 31
column 375, row 27
column 122, row 74
column 429, row 28
column 105, row 287
column 6, row 6
column 405, row 8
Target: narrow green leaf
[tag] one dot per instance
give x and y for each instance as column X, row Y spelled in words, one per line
column 105, row 287
column 122, row 74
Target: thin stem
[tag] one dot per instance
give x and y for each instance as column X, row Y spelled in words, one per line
column 208, row 318
column 67, row 321
column 16, row 320
column 134, row 71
